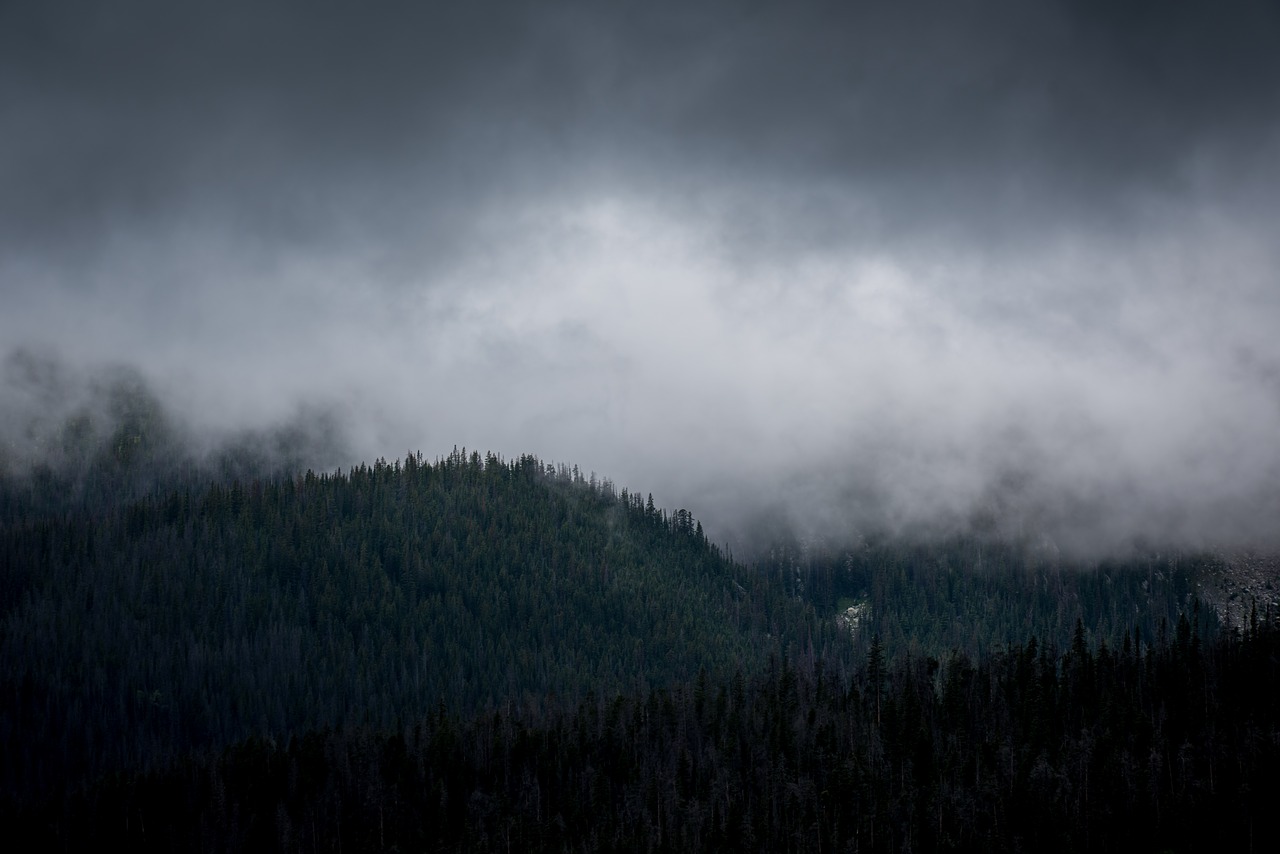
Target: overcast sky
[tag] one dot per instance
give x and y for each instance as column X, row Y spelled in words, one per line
column 858, row 264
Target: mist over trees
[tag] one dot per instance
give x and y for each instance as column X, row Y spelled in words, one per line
column 473, row 652
column 89, row 437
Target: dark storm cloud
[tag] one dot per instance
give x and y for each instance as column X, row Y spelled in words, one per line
column 874, row 263
column 282, row 121
column 295, row 119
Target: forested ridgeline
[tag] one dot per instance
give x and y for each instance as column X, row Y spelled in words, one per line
column 930, row 596
column 1163, row 744
column 137, row 631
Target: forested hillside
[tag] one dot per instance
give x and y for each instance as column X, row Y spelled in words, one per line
column 133, row 632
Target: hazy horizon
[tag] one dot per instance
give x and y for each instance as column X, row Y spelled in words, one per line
column 854, row 267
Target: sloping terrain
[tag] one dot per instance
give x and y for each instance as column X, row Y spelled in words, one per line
column 195, row 618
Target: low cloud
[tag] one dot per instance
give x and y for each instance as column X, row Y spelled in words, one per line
column 895, row 268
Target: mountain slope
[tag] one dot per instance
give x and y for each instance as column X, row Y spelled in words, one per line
column 190, row 619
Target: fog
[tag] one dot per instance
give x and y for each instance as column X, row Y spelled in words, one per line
column 1012, row 266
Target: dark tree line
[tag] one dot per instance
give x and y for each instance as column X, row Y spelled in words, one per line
column 1164, row 744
